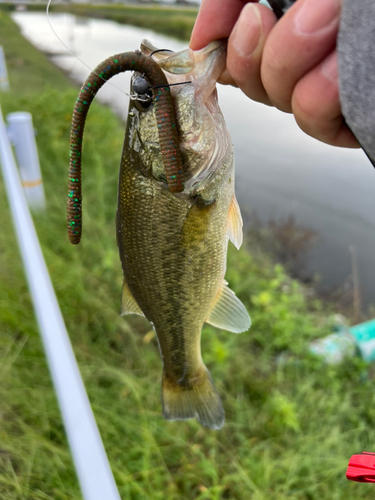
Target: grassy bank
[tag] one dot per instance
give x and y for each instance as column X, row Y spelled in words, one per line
column 177, row 22
column 290, row 427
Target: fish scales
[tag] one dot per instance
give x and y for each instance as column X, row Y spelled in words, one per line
column 173, row 246
column 173, row 254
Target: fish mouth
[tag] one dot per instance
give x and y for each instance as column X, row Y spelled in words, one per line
column 204, row 138
column 210, row 59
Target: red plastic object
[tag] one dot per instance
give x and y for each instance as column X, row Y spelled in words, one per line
column 361, row 468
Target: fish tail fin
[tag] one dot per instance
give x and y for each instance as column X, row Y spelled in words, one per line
column 194, row 397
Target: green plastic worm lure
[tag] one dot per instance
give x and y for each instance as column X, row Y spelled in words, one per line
column 168, row 135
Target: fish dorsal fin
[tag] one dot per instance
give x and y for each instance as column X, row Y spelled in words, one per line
column 235, row 223
column 228, row 312
column 128, row 302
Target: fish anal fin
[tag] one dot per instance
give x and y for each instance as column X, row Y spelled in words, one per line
column 128, row 302
column 196, row 397
column 228, row 312
column 234, row 230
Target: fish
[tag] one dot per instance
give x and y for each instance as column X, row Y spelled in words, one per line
column 174, row 220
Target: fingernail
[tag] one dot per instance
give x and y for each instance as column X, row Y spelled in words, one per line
column 247, row 32
column 315, row 16
column 329, row 67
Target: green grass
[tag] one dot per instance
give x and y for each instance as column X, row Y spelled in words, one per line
column 177, row 22
column 290, row 428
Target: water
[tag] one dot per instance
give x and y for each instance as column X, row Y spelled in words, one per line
column 280, row 170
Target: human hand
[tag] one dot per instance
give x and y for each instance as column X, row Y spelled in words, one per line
column 290, row 64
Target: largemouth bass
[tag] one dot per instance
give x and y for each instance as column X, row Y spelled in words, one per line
column 174, row 222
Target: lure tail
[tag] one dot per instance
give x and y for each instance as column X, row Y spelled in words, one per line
column 196, row 397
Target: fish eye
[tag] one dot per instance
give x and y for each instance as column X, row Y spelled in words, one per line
column 142, row 93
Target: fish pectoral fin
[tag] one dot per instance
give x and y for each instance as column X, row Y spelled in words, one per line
column 128, row 302
column 234, row 230
column 228, row 312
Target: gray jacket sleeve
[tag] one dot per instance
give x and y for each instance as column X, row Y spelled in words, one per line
column 356, row 58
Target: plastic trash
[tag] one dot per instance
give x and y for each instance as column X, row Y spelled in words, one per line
column 335, row 347
column 361, row 467
column 347, row 342
column 364, row 334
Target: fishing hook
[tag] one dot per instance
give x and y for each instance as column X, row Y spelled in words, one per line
column 160, row 50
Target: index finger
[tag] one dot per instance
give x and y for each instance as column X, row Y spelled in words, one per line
column 216, row 19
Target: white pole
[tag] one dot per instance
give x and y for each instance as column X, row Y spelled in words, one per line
column 22, row 136
column 4, row 82
column 93, row 470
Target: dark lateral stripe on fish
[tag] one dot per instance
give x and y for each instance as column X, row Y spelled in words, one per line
column 167, row 129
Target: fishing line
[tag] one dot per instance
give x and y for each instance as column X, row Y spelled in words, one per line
column 75, row 55
column 170, row 85
column 133, row 97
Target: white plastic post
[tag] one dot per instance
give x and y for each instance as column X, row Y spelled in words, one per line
column 4, row 82
column 22, row 135
column 93, row 470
